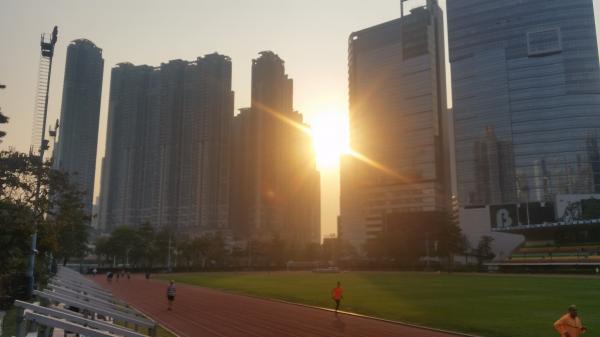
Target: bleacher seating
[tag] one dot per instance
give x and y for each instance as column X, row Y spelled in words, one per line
column 75, row 304
column 589, row 253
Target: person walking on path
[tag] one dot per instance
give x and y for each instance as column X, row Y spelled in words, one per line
column 337, row 294
column 171, row 294
column 569, row 325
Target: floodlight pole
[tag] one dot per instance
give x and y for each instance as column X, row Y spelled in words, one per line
column 47, row 51
column 427, row 248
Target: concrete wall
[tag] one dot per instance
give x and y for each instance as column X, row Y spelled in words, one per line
column 475, row 222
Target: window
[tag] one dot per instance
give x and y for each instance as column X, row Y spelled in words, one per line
column 544, row 41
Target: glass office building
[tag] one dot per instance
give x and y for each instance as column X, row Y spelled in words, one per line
column 397, row 124
column 526, row 99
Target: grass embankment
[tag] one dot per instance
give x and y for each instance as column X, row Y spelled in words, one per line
column 9, row 326
column 9, row 323
column 487, row 305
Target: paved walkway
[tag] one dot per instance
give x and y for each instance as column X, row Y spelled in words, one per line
column 200, row 312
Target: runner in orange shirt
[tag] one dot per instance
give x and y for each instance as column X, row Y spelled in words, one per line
column 337, row 294
column 569, row 325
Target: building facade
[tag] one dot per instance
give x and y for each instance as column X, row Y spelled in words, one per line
column 526, row 92
column 398, row 124
column 75, row 152
column 168, row 146
column 276, row 189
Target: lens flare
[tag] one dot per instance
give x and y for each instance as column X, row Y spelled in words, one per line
column 330, row 136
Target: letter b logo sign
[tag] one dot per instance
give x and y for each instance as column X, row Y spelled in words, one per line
column 503, row 218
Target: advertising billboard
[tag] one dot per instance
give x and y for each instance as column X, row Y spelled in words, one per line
column 574, row 207
column 512, row 215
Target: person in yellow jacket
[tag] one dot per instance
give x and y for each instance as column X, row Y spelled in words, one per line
column 569, row 325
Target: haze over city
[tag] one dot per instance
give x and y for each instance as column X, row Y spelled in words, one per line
column 311, row 37
column 303, row 168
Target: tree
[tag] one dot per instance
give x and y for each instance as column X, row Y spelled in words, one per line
column 345, row 251
column 3, row 120
column 484, row 250
column 185, row 252
column 102, row 249
column 163, row 241
column 15, row 237
column 55, row 213
column 121, row 242
column 465, row 247
column 18, row 180
column 71, row 221
column 276, row 251
column 450, row 239
column 311, row 251
column 216, row 252
column 144, row 250
column 199, row 248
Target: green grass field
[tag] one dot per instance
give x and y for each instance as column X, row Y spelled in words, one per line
column 486, row 305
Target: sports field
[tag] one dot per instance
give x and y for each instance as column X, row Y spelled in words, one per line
column 486, row 305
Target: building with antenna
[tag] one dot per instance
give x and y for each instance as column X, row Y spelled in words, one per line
column 398, row 124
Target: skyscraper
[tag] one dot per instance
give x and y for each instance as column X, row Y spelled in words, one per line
column 277, row 186
column 129, row 182
column 79, row 116
column 168, row 146
column 398, row 124
column 526, row 74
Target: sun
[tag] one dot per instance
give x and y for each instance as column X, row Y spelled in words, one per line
column 330, row 137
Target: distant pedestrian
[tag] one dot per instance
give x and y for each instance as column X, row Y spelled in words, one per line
column 128, row 275
column 118, row 275
column 171, row 294
column 94, row 272
column 147, row 275
column 569, row 325
column 337, row 294
column 109, row 276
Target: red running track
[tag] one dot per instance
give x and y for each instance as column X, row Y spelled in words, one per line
column 200, row 312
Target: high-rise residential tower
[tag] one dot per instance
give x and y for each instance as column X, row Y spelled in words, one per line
column 398, row 124
column 277, row 186
column 79, row 116
column 168, row 146
column 129, row 182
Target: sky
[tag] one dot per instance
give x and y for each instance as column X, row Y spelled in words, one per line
column 309, row 35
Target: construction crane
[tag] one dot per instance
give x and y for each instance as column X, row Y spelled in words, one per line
column 40, row 114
